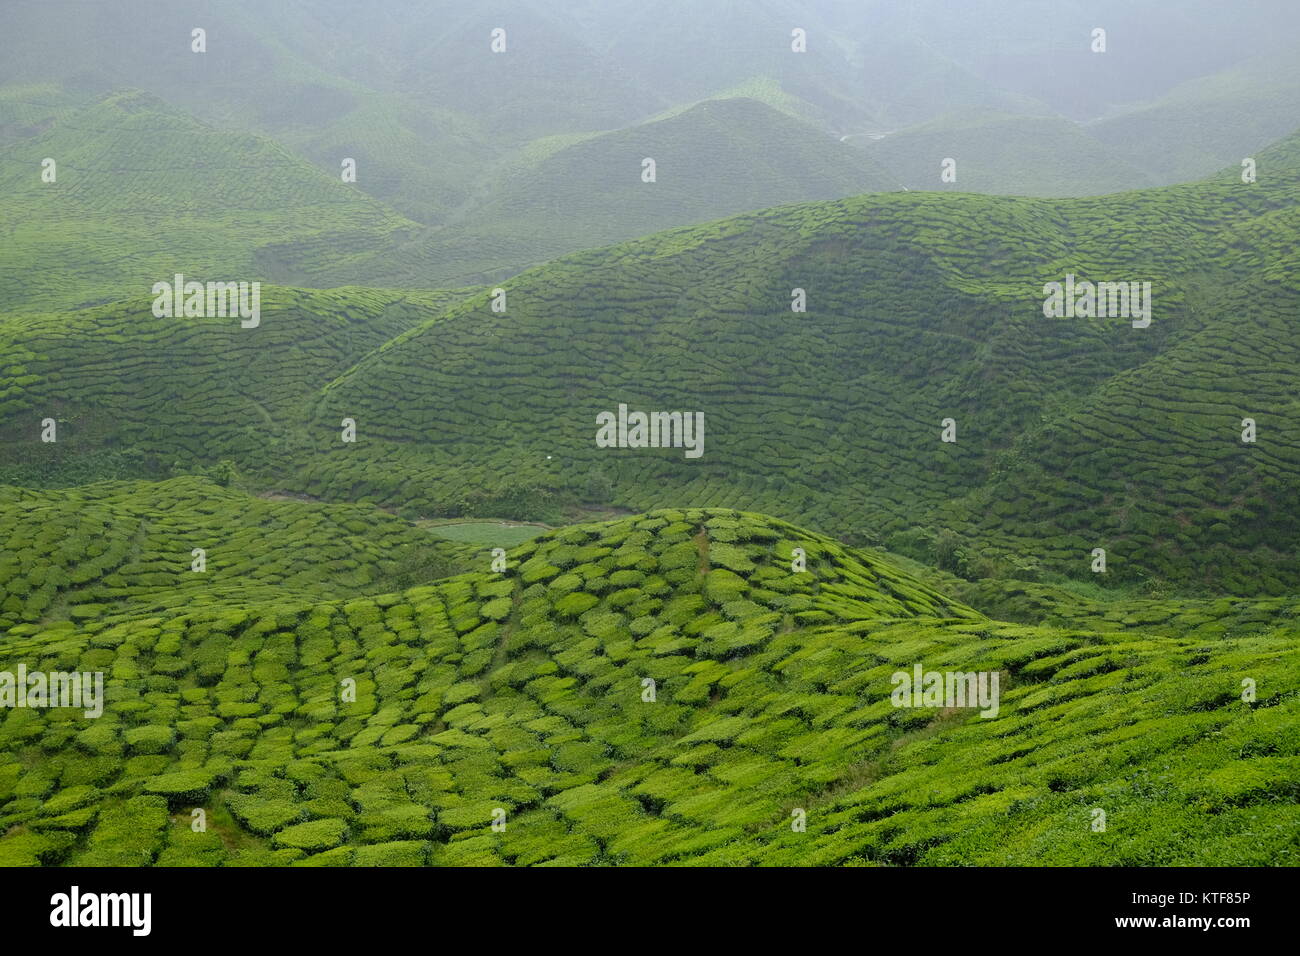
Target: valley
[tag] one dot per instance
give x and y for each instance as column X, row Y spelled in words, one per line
column 358, row 508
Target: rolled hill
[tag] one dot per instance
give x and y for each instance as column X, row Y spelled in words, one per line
column 666, row 688
column 1072, row 434
column 560, row 194
column 143, row 191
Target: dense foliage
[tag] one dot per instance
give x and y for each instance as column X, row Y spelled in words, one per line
column 524, row 692
column 1072, row 434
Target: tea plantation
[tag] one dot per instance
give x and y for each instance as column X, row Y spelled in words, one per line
column 118, row 547
column 125, row 179
column 365, row 590
column 1071, row 434
column 663, row 689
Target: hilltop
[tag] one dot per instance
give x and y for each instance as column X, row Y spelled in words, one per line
column 714, row 159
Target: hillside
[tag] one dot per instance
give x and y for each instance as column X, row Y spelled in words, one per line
column 130, row 165
column 593, row 433
column 1001, row 154
column 414, row 92
column 411, row 91
column 311, row 79
column 717, row 158
column 494, row 211
column 232, row 392
column 1208, row 122
column 487, row 151
column 917, row 313
column 526, row 694
column 1072, row 434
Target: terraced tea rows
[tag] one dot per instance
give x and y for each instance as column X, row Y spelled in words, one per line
column 181, row 391
column 1071, row 434
column 523, row 698
column 129, row 547
column 286, row 592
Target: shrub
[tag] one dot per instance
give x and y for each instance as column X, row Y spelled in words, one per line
column 149, row 739
column 721, row 586
column 183, row 786
column 313, row 835
column 572, row 605
column 262, row 815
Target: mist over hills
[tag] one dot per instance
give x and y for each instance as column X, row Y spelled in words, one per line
column 1004, row 153
column 387, row 573
column 716, row 158
column 144, row 190
column 1250, row 104
column 436, row 121
column 832, row 417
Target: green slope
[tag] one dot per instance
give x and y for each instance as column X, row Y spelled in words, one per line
column 411, row 90
column 421, row 159
column 561, row 194
column 27, row 110
column 127, row 547
column 1208, row 122
column 1072, row 434
column 137, row 395
column 124, row 159
column 144, row 191
column 334, row 566
column 525, row 693
column 999, row 153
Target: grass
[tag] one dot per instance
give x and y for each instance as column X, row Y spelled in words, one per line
column 496, row 534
